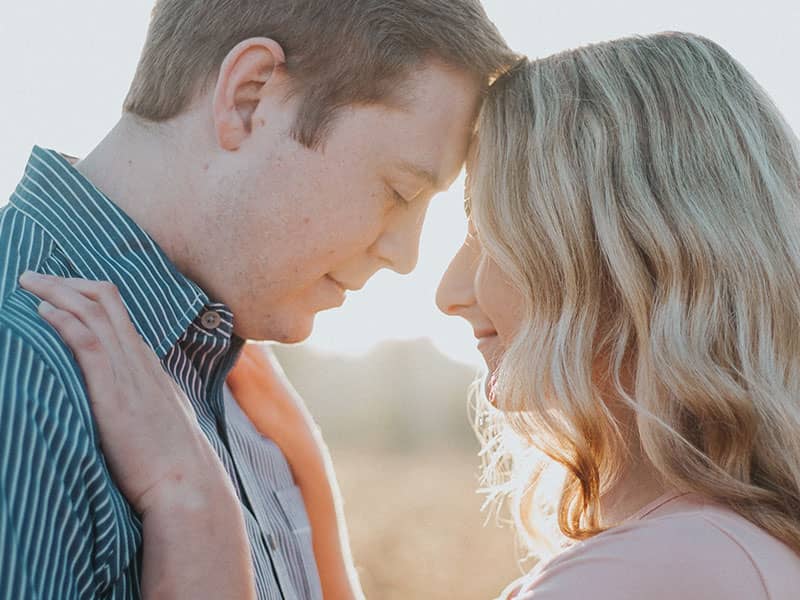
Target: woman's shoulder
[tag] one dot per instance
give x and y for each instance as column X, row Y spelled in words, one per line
column 686, row 548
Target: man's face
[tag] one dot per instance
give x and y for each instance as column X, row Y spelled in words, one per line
column 298, row 227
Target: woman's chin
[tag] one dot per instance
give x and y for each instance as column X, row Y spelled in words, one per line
column 492, row 349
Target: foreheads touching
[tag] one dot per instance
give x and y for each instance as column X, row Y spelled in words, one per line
column 347, row 52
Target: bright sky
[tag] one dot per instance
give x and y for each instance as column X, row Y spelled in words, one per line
column 66, row 66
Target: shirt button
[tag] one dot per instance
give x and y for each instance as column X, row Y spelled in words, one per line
column 273, row 543
column 211, row 319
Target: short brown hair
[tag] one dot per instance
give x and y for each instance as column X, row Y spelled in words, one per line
column 338, row 52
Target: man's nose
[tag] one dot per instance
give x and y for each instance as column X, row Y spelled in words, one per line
column 456, row 290
column 398, row 246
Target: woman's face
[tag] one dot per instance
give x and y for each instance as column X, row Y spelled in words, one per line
column 475, row 289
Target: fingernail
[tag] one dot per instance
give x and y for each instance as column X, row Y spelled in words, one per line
column 31, row 277
column 45, row 307
column 28, row 276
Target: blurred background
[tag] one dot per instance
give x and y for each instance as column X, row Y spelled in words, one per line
column 386, row 375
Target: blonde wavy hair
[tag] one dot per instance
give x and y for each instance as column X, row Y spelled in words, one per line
column 644, row 196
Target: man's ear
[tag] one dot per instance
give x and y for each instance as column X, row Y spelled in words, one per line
column 244, row 73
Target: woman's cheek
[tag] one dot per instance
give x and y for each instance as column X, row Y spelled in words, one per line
column 499, row 300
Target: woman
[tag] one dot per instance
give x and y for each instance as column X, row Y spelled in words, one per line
column 632, row 270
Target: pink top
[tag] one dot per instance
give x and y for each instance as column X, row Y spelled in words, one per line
column 678, row 547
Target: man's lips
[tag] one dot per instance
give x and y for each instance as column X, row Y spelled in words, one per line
column 347, row 287
column 342, row 287
column 338, row 291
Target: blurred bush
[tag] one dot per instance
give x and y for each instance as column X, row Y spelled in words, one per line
column 406, row 458
column 402, row 396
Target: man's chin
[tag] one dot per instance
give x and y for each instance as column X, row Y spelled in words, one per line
column 286, row 331
column 294, row 338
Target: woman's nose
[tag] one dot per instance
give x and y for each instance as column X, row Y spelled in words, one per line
column 456, row 290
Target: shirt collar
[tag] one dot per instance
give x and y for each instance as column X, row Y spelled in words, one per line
column 103, row 243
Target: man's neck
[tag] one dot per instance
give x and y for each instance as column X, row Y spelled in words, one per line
column 148, row 175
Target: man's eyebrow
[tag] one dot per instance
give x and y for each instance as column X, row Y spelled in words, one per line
column 428, row 176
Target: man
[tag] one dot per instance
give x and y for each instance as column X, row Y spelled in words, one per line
column 271, row 155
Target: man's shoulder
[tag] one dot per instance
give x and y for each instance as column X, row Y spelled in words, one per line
column 52, row 469
column 41, row 387
column 38, row 373
column 24, row 245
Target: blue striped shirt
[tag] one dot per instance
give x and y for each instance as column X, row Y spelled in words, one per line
column 66, row 531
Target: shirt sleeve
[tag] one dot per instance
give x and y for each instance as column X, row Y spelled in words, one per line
column 45, row 519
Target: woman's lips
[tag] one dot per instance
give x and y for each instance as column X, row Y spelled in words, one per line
column 483, row 332
column 486, row 341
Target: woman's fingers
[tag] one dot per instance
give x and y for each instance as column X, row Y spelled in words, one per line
column 85, row 327
column 123, row 359
column 64, row 297
column 104, row 293
column 89, row 352
column 87, row 347
column 107, row 294
column 99, row 305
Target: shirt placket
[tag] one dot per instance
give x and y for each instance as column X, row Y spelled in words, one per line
column 215, row 332
column 269, row 529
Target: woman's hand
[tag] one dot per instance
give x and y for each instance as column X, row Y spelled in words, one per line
column 195, row 545
column 148, row 430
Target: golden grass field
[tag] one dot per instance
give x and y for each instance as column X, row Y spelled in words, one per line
column 416, row 529
column 396, row 422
